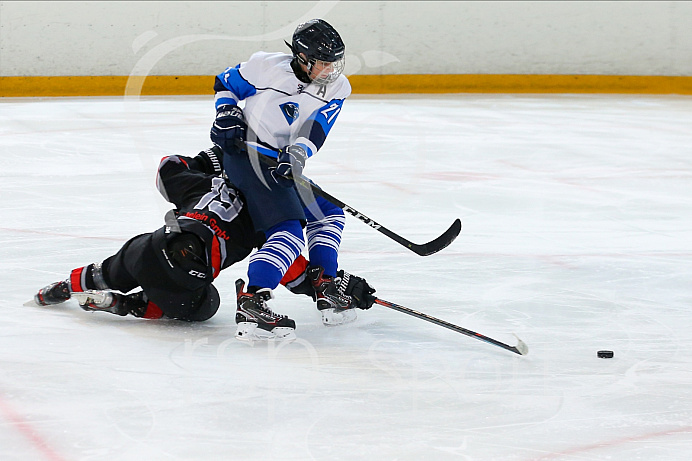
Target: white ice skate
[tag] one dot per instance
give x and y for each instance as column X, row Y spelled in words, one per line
column 333, row 316
column 250, row 332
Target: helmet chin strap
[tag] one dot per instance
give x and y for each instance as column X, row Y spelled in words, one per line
column 295, row 65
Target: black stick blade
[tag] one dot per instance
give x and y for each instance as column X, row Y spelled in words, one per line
column 440, row 243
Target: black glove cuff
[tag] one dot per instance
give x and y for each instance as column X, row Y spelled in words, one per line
column 230, row 110
column 358, row 289
column 294, row 155
column 212, row 160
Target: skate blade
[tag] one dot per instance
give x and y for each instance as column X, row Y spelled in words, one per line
column 331, row 318
column 33, row 303
column 248, row 332
column 89, row 297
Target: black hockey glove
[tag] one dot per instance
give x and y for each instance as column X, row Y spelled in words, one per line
column 291, row 163
column 229, row 127
column 209, row 161
column 358, row 289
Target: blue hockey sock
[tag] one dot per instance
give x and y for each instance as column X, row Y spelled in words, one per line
column 324, row 236
column 269, row 264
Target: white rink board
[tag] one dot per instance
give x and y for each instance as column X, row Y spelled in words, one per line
column 87, row 38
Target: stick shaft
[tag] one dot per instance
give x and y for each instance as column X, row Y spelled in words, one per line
column 520, row 348
column 425, row 249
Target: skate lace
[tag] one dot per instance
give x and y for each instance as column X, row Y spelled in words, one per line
column 260, row 303
column 268, row 311
column 335, row 293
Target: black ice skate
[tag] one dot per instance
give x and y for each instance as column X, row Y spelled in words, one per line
column 334, row 305
column 114, row 303
column 55, row 293
column 256, row 321
column 135, row 304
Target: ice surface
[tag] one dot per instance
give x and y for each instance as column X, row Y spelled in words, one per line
column 577, row 215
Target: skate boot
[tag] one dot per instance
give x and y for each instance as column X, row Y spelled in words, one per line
column 101, row 301
column 136, row 304
column 256, row 322
column 334, row 305
column 55, row 293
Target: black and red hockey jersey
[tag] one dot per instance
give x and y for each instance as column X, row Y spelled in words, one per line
column 211, row 208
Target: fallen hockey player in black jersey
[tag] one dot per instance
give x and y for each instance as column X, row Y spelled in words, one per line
column 174, row 266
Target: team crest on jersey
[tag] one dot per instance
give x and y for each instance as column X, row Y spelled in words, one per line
column 290, row 111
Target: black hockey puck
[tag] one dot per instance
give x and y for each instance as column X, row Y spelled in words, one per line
column 605, row 354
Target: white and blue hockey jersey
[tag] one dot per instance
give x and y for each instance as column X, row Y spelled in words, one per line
column 280, row 109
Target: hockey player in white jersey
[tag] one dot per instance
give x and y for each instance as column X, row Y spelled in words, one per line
column 291, row 102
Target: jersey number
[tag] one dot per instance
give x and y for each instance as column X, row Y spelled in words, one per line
column 219, row 201
column 335, row 108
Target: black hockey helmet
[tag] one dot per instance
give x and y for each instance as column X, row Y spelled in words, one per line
column 319, row 41
column 184, row 304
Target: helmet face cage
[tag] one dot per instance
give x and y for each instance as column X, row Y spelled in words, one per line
column 319, row 41
column 324, row 78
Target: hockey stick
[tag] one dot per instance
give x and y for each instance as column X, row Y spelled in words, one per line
column 521, row 348
column 425, row 249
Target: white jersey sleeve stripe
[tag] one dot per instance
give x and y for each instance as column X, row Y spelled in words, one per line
column 225, row 97
column 306, row 144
